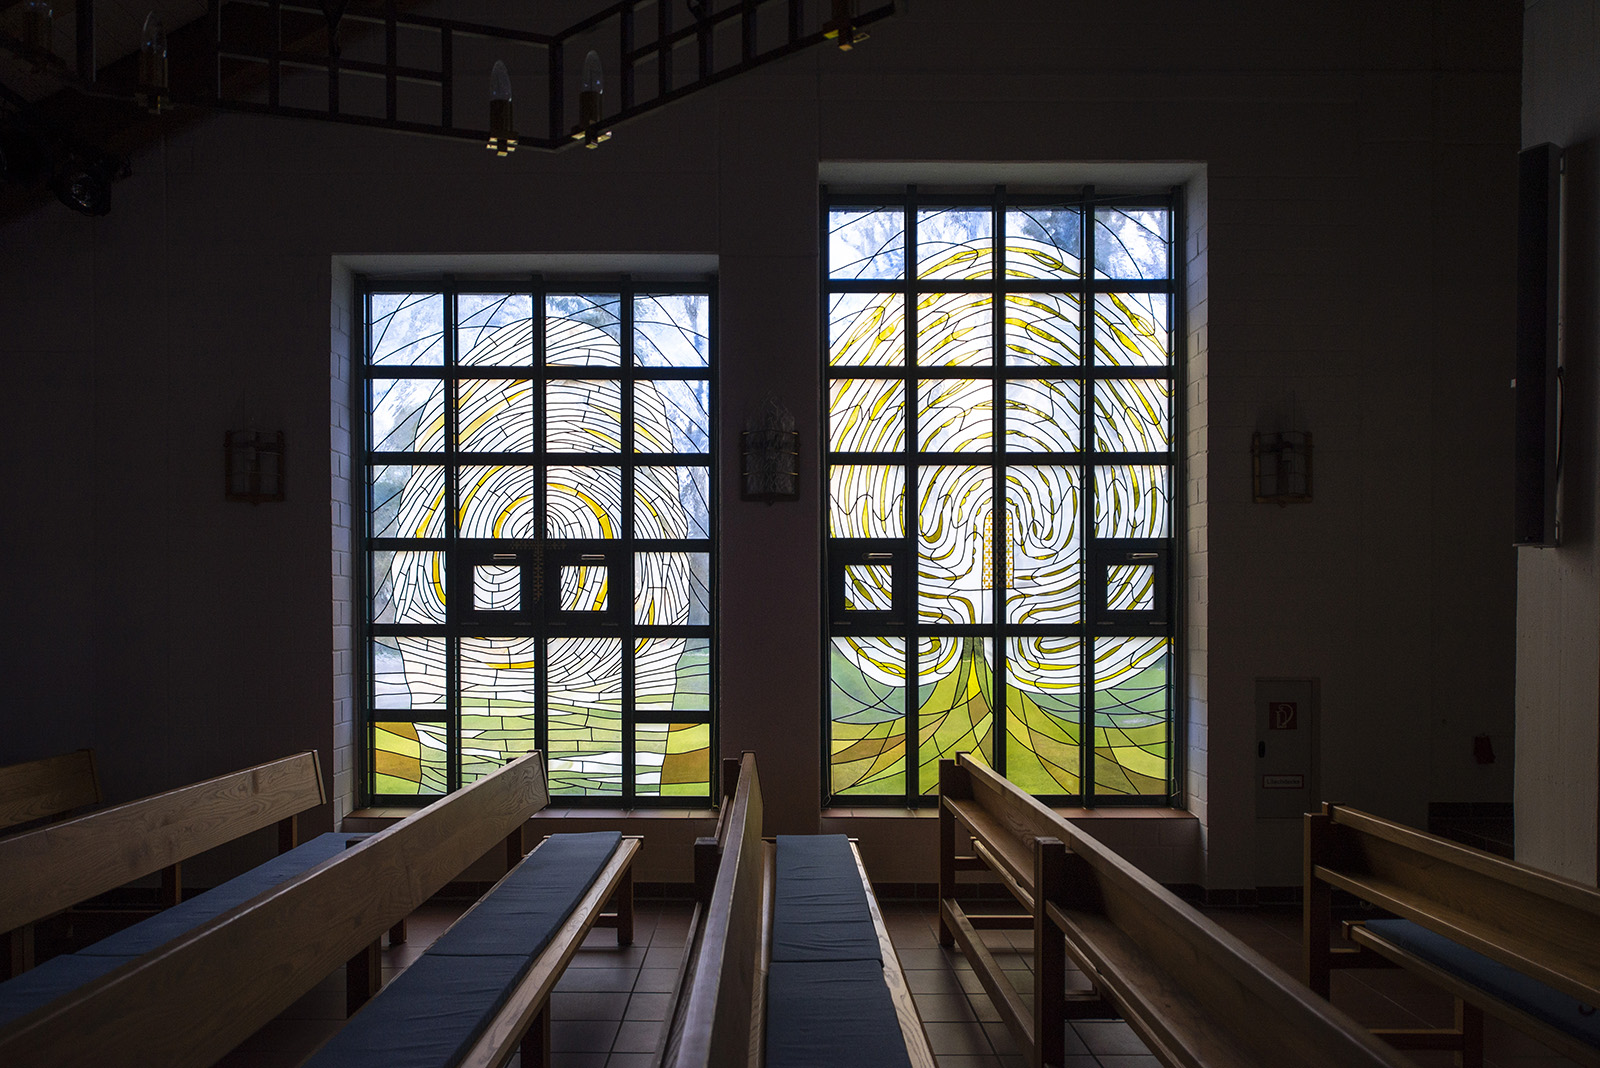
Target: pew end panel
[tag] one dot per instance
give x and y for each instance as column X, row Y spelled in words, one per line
column 47, row 788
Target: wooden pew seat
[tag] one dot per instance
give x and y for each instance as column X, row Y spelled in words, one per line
column 442, row 1010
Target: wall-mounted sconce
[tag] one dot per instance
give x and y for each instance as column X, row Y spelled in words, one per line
column 152, row 94
column 253, row 465
column 502, row 132
column 1282, row 466
column 588, row 130
column 842, row 27
column 769, row 466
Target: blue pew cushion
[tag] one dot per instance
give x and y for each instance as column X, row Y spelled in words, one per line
column 428, row 1015
column 835, row 1013
column 168, row 924
column 432, row 1012
column 819, row 909
column 1542, row 1002
column 61, row 975
column 521, row 914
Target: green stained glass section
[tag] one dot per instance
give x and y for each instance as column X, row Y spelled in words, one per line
column 1133, row 415
column 1044, row 243
column 955, row 243
column 583, row 502
column 672, row 502
column 498, row 697
column 1132, row 330
column 866, row 415
column 955, row 703
column 672, row 330
column 866, row 501
column 672, row 759
column 408, row 587
column 867, row 330
column 1133, row 715
column 1044, row 562
column 584, row 680
column 1133, row 501
column 408, row 672
column 408, row 758
column 672, row 676
column 867, row 243
column 1133, row 243
column 1044, row 714
column 406, row 501
column 494, row 415
column 583, row 415
column 672, row 589
column 495, row 501
column 583, row 330
column 1043, row 415
column 955, row 330
column 494, row 329
column 955, row 415
column 867, row 682
column 672, row 416
column 955, row 545
column 405, row 329
column 406, row 415
column 1042, row 329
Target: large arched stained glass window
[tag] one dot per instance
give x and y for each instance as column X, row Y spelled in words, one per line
column 1001, row 511
column 539, row 537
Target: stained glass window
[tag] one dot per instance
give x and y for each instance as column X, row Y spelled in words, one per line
column 538, row 551
column 1001, row 477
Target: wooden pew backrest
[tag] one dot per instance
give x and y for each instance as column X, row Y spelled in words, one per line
column 205, row 992
column 41, row 789
column 59, row 865
column 1539, row 924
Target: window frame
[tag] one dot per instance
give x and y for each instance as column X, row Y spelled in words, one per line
column 1163, row 554
column 539, row 556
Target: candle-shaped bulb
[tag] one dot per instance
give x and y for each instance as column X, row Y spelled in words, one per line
column 593, row 81
column 499, row 81
column 153, row 64
column 502, row 132
column 39, row 26
column 155, row 37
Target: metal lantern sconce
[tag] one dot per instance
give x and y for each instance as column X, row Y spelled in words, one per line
column 769, row 456
column 588, row 130
column 152, row 94
column 502, row 132
column 253, row 465
column 842, row 27
column 1282, row 466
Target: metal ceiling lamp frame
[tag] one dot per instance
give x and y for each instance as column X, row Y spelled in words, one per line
column 661, row 51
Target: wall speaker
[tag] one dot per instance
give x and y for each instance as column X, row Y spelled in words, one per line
column 1537, row 383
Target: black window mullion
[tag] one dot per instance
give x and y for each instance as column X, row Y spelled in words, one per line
column 999, row 508
column 625, row 702
column 452, row 460
column 1086, row 335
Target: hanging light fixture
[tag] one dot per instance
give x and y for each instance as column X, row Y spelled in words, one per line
column 38, row 29
column 588, row 130
column 152, row 95
column 502, row 133
column 842, row 27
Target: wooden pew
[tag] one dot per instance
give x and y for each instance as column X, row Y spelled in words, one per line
column 719, row 1005
column 48, row 788
column 441, row 1011
column 1194, row 994
column 1499, row 936
column 195, row 998
column 62, row 864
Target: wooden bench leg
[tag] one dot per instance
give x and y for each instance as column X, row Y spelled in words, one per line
column 536, row 1039
column 622, row 901
column 19, row 951
column 1317, row 919
column 1049, row 955
column 397, row 934
column 947, row 848
column 1469, row 1021
column 363, row 974
column 171, row 886
column 288, row 833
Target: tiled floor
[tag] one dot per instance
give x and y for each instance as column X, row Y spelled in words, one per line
column 608, row 1008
